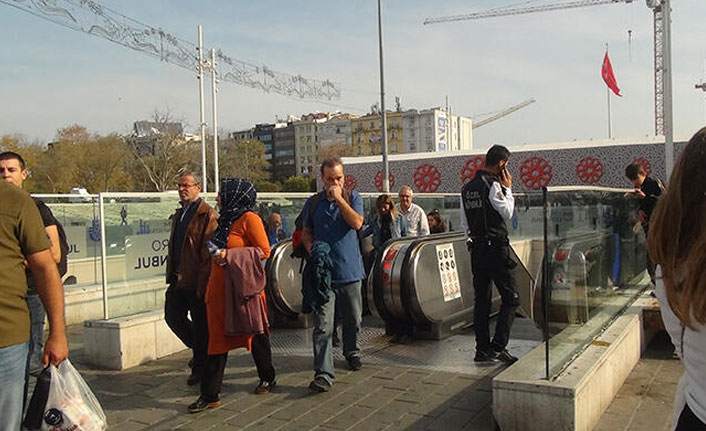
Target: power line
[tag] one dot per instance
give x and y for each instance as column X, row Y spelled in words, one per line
column 97, row 20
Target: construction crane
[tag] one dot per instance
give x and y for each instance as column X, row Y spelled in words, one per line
column 503, row 113
column 662, row 54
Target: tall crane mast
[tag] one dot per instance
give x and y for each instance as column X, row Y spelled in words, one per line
column 662, row 54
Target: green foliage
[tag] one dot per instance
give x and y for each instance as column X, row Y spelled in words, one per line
column 267, row 186
column 298, row 184
column 76, row 159
column 243, row 159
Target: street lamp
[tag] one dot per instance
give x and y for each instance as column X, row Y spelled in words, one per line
column 385, row 167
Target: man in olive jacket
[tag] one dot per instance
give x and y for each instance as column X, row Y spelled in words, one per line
column 188, row 269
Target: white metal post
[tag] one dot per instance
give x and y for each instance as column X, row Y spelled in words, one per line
column 667, row 82
column 214, row 90
column 385, row 166
column 202, row 113
column 610, row 117
column 104, row 255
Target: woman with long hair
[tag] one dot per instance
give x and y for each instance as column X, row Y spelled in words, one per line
column 677, row 244
column 436, row 223
column 387, row 223
column 238, row 226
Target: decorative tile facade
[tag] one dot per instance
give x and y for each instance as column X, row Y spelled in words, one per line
column 531, row 170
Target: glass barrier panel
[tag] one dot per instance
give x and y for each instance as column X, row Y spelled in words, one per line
column 78, row 217
column 597, row 266
column 137, row 238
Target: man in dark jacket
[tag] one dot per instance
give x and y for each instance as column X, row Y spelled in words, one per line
column 188, row 269
column 487, row 206
column 647, row 192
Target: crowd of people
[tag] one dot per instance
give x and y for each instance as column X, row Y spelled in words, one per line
column 215, row 300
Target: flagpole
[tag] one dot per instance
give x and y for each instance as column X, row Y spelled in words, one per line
column 610, row 117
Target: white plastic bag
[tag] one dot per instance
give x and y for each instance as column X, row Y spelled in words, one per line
column 71, row 406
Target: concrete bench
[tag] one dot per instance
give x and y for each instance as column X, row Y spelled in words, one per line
column 575, row 399
column 124, row 342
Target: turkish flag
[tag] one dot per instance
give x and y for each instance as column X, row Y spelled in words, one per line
column 609, row 76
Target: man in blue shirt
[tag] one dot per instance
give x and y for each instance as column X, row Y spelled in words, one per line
column 336, row 220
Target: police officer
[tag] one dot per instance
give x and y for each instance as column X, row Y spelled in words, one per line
column 487, row 204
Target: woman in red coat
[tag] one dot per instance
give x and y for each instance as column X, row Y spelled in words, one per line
column 238, row 226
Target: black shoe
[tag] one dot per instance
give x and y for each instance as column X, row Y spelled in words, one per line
column 354, row 363
column 265, row 387
column 335, row 340
column 194, row 378
column 320, row 384
column 506, row 357
column 485, row 356
column 201, row 404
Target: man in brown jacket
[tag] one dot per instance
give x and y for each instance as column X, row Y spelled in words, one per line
column 188, row 269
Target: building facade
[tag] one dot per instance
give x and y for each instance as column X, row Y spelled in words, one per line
column 265, row 133
column 283, row 160
column 587, row 163
column 242, row 135
column 306, row 146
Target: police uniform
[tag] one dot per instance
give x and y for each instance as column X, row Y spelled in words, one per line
column 486, row 207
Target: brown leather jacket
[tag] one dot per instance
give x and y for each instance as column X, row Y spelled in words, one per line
column 195, row 262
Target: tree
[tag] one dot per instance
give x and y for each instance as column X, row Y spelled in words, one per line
column 168, row 155
column 267, row 186
column 296, row 184
column 244, row 159
column 334, row 150
column 103, row 164
column 31, row 152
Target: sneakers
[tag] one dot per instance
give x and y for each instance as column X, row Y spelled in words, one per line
column 506, row 357
column 265, row 387
column 354, row 363
column 201, row 404
column 320, row 384
column 485, row 356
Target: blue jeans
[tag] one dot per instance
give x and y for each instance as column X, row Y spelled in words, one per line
column 36, row 338
column 13, row 363
column 350, row 305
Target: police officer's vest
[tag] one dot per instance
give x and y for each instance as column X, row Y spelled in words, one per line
column 483, row 220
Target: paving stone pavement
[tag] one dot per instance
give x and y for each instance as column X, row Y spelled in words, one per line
column 645, row 401
column 154, row 396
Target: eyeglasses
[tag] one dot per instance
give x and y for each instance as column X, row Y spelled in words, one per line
column 185, row 186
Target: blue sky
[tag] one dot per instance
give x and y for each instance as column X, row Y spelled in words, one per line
column 53, row 77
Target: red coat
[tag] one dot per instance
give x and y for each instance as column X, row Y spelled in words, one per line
column 245, row 313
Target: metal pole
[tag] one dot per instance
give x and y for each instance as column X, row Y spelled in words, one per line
column 385, row 166
column 610, row 117
column 667, row 82
column 215, row 120
column 545, row 283
column 104, row 255
column 202, row 113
